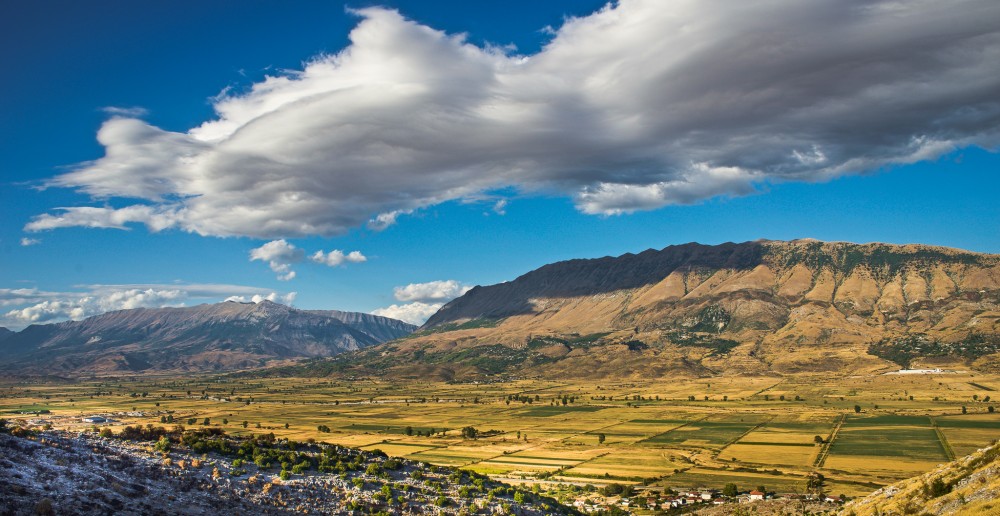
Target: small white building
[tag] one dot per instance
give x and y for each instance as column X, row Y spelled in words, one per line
column 756, row 496
column 96, row 419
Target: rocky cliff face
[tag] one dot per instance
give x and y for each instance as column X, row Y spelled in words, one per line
column 381, row 328
column 207, row 337
column 755, row 307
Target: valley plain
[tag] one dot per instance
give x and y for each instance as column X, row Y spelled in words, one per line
column 858, row 432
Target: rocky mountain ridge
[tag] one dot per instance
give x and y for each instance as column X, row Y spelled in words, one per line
column 763, row 307
column 209, row 337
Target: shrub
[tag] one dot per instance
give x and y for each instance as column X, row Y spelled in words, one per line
column 162, row 445
column 937, row 488
column 44, row 507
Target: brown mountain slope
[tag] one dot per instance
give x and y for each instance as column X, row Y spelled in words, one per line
column 755, row 307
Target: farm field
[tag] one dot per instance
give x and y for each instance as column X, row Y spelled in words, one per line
column 858, row 432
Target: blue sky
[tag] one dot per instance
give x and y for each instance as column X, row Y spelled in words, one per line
column 551, row 131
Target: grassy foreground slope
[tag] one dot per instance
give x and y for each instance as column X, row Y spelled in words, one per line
column 968, row 486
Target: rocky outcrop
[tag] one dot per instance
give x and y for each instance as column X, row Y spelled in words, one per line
column 970, row 485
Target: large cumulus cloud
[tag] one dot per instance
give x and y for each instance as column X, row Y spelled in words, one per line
column 642, row 104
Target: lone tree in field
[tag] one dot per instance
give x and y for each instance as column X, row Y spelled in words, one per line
column 470, row 432
column 730, row 490
column 409, row 430
column 857, row 409
column 600, row 438
column 818, row 440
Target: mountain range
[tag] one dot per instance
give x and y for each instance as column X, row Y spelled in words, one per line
column 209, row 337
column 763, row 307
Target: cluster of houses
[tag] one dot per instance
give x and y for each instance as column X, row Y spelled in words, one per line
column 690, row 498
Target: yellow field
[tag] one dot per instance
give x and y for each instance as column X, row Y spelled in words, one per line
column 652, row 431
column 802, row 456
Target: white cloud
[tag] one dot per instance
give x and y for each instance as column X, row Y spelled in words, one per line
column 156, row 218
column 413, row 313
column 337, row 257
column 286, row 299
column 639, row 105
column 30, row 241
column 38, row 306
column 279, row 255
column 445, row 290
column 422, row 300
column 500, row 207
column 79, row 307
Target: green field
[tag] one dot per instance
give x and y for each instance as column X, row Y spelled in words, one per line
column 912, row 442
column 712, row 431
column 657, row 432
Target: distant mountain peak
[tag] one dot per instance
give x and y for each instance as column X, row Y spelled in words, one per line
column 207, row 337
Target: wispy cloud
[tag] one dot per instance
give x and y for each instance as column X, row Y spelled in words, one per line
column 133, row 112
column 637, row 106
column 25, row 242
